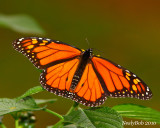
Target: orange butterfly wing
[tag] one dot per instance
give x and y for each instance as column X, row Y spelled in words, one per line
column 118, row 81
column 44, row 52
column 57, row 79
column 89, row 89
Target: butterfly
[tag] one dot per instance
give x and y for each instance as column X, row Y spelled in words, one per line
column 79, row 74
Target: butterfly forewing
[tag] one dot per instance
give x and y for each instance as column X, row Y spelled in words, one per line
column 43, row 52
column 120, row 82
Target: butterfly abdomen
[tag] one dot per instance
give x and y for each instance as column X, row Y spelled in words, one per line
column 78, row 74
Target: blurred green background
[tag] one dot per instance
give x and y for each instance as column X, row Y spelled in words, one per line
column 127, row 32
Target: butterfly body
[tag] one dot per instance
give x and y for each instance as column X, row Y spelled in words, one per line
column 84, row 59
column 79, row 75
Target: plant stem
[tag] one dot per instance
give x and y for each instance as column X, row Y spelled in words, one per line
column 16, row 123
column 75, row 105
column 53, row 113
column 2, row 125
column 58, row 123
column 16, row 118
column 56, row 114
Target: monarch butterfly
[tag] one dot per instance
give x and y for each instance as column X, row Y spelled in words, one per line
column 79, row 74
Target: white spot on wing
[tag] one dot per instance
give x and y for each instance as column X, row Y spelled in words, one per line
column 21, row 39
column 128, row 71
column 134, row 75
column 48, row 39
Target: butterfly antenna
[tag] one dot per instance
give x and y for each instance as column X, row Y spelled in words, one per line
column 87, row 42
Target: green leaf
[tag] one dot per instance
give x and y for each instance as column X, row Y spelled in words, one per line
column 138, row 112
column 20, row 23
column 12, row 105
column 94, row 118
column 43, row 101
column 66, row 126
column 31, row 91
column 71, row 126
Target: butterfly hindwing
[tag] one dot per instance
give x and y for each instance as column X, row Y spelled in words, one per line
column 57, row 79
column 118, row 81
column 44, row 52
column 89, row 88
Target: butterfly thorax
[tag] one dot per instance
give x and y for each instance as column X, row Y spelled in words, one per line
column 84, row 59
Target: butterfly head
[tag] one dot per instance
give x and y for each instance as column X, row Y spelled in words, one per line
column 88, row 53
